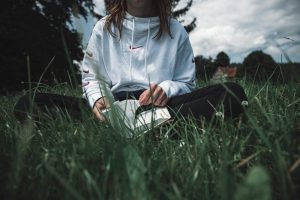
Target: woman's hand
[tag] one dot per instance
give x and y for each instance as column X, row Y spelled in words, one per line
column 155, row 95
column 100, row 105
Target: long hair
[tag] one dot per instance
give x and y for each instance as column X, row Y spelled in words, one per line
column 117, row 9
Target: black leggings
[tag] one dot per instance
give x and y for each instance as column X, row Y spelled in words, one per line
column 204, row 102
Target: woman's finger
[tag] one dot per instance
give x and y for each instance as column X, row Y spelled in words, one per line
column 145, row 97
column 162, row 99
column 99, row 114
column 157, row 96
column 152, row 90
column 164, row 102
column 159, row 99
column 100, row 104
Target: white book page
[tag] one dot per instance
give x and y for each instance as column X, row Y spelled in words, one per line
column 127, row 110
column 156, row 116
column 144, row 121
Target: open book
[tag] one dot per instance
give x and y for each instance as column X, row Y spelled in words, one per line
column 135, row 116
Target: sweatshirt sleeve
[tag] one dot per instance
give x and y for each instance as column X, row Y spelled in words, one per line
column 184, row 72
column 95, row 80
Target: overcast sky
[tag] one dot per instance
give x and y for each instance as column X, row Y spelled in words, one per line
column 238, row 27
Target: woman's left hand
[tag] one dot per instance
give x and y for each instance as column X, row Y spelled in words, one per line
column 155, row 95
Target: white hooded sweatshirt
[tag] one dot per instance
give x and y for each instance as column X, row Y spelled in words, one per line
column 135, row 60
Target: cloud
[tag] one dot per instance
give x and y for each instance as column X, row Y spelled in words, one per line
column 100, row 6
column 239, row 27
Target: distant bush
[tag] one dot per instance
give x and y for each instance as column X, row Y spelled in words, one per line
column 260, row 66
column 205, row 67
column 222, row 59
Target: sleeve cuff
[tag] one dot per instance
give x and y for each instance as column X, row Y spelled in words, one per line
column 166, row 87
column 173, row 88
column 93, row 98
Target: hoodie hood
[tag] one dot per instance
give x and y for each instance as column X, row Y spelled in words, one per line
column 139, row 24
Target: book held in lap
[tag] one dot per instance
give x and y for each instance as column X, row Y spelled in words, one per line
column 136, row 117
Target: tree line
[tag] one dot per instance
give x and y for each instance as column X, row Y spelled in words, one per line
column 256, row 66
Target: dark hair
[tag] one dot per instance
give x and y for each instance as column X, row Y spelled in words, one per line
column 117, row 9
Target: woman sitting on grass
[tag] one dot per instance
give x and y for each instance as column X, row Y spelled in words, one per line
column 139, row 51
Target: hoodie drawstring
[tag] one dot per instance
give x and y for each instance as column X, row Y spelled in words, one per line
column 146, row 49
column 131, row 47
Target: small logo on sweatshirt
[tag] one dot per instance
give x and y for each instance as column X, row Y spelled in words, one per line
column 133, row 48
column 86, row 71
column 89, row 53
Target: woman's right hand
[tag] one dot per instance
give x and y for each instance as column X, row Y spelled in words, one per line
column 155, row 95
column 100, row 105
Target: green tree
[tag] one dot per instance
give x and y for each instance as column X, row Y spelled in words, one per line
column 38, row 29
column 260, row 66
column 205, row 67
column 182, row 11
column 222, row 59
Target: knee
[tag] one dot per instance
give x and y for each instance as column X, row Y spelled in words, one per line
column 235, row 90
column 22, row 108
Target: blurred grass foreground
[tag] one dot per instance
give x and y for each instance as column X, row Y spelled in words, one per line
column 59, row 158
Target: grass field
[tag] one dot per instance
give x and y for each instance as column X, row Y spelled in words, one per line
column 257, row 158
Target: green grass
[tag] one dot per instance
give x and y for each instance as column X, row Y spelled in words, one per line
column 61, row 159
